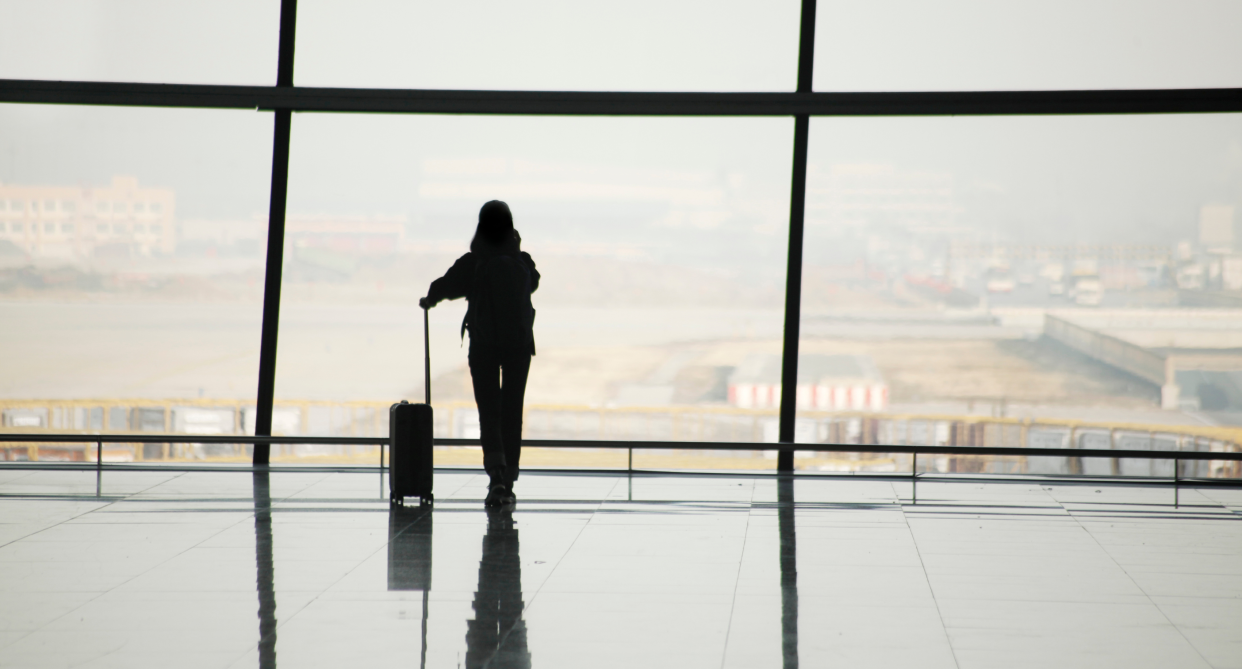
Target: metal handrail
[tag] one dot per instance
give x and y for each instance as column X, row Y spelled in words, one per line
column 150, row 438
column 1225, row 433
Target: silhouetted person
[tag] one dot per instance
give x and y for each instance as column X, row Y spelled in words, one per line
column 497, row 635
column 497, row 278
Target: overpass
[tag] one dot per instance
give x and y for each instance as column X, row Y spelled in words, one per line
column 1184, row 351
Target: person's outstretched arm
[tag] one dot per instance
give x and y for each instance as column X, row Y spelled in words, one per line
column 453, row 285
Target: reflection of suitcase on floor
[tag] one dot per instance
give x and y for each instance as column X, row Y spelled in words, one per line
column 409, row 443
column 409, row 548
column 409, row 556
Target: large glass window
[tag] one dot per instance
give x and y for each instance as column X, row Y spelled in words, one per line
column 653, row 45
column 126, row 321
column 216, row 42
column 963, row 278
column 1035, row 281
column 661, row 243
column 903, row 45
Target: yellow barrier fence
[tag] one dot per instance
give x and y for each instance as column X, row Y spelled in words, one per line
column 586, row 423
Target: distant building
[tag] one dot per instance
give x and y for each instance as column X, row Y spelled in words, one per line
column 349, row 234
column 825, row 383
column 1231, row 273
column 1216, row 226
column 352, row 234
column 72, row 222
column 860, row 194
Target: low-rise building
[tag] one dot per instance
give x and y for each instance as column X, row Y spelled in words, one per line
column 825, row 383
column 121, row 219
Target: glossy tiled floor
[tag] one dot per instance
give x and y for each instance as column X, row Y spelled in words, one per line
column 313, row 570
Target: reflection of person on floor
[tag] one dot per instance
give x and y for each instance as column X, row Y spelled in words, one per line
column 497, row 635
column 496, row 278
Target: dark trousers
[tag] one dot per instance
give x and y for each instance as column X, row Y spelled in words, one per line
column 499, row 391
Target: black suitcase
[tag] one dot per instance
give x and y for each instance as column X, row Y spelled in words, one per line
column 410, row 442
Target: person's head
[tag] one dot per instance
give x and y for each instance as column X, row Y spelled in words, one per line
column 495, row 223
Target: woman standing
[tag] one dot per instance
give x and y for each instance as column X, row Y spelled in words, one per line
column 496, row 277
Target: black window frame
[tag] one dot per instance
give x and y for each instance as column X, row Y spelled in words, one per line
column 284, row 98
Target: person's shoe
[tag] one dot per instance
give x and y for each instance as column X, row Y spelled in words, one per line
column 497, row 495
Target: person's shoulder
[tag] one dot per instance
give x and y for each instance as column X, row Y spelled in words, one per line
column 462, row 264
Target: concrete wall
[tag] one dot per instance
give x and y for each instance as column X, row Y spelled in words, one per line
column 1121, row 354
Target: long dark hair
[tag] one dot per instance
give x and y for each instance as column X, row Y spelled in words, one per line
column 495, row 226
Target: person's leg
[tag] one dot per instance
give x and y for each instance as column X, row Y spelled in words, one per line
column 513, row 397
column 485, row 376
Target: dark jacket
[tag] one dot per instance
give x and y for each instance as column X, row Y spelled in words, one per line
column 497, row 283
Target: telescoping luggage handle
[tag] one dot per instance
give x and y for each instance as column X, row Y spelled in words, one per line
column 426, row 357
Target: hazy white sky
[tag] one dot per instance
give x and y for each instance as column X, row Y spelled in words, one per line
column 1083, row 178
column 637, row 45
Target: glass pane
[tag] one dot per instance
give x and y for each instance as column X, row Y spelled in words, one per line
column 1041, row 281
column 217, row 42
column 661, row 243
column 130, row 271
column 1062, row 44
column 549, row 45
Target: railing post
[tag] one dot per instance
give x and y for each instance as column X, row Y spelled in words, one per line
column 99, row 468
column 914, row 481
column 1114, row 463
column 1177, row 475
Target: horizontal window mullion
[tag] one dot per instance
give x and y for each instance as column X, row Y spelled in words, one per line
column 307, row 99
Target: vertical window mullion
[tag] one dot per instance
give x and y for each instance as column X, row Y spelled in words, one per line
column 793, row 267
column 275, row 238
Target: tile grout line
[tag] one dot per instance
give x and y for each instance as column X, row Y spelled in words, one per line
column 552, row 572
column 927, row 577
column 112, row 589
column 1164, row 615
column 251, row 515
column 58, row 524
column 724, row 652
column 111, row 500
column 286, row 498
column 531, row 602
column 466, row 482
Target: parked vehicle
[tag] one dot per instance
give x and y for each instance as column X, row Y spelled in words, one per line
column 1089, row 292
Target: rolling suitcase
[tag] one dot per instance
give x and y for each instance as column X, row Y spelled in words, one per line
column 409, row 442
